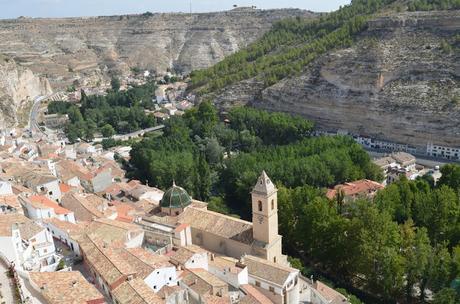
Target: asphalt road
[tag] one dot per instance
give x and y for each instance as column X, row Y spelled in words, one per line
column 33, row 123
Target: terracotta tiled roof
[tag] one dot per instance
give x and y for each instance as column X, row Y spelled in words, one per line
column 29, row 229
column 87, row 206
column 64, row 188
column 218, row 224
column 8, row 220
column 253, row 296
column 181, row 256
column 10, row 200
column 109, row 265
column 361, row 187
column 144, row 261
column 331, row 295
column 181, row 227
column 225, row 263
column 65, row 287
column 74, row 230
column 136, row 291
column 112, row 231
column 42, row 202
column 201, row 281
column 266, row 270
column 209, row 299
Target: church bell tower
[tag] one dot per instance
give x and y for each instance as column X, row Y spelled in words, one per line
column 265, row 210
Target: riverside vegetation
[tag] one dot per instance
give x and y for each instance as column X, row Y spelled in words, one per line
column 404, row 240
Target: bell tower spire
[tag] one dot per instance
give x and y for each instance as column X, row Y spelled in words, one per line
column 265, row 210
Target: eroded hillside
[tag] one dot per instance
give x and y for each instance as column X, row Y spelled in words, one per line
column 87, row 48
column 18, row 87
column 399, row 81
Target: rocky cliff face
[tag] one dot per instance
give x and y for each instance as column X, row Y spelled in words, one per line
column 18, row 87
column 86, row 48
column 397, row 83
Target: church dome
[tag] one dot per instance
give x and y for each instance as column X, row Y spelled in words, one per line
column 175, row 197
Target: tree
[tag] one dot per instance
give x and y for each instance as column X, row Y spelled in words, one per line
column 450, row 176
column 91, row 128
column 107, row 130
column 445, row 296
column 115, row 84
column 204, row 178
column 214, row 151
column 416, row 250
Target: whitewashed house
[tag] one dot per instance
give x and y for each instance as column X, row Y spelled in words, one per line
column 278, row 283
column 39, row 207
column 190, row 257
column 26, row 244
column 229, row 270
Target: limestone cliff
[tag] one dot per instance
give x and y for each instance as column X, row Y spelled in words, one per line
column 86, row 48
column 397, row 82
column 18, row 87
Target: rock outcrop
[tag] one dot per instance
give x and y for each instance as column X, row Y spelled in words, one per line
column 399, row 82
column 18, row 87
column 87, row 48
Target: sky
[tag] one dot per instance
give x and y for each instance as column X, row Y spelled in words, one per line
column 69, row 8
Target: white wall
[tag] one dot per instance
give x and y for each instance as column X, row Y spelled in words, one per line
column 8, row 248
column 234, row 279
column 74, row 182
column 102, row 181
column 161, row 277
column 135, row 242
column 53, row 188
column 64, row 237
column 198, row 260
column 5, row 188
column 38, row 214
column 69, row 217
column 265, row 285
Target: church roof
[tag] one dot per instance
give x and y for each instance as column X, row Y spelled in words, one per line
column 175, row 197
column 218, row 224
column 264, row 185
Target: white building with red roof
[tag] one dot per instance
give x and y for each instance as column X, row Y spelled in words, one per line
column 39, row 207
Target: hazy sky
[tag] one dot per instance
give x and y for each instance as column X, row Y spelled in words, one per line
column 66, row 8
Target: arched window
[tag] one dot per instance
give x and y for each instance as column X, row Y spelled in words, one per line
column 260, row 205
column 273, row 204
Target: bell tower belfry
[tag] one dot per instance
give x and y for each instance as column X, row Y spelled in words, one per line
column 265, row 210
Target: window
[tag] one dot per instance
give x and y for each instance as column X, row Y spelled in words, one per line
column 170, row 278
column 272, row 289
column 155, row 287
column 273, row 204
column 274, row 259
column 257, row 283
column 260, row 205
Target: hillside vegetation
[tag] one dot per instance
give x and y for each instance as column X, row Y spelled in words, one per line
column 398, row 247
column 294, row 43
